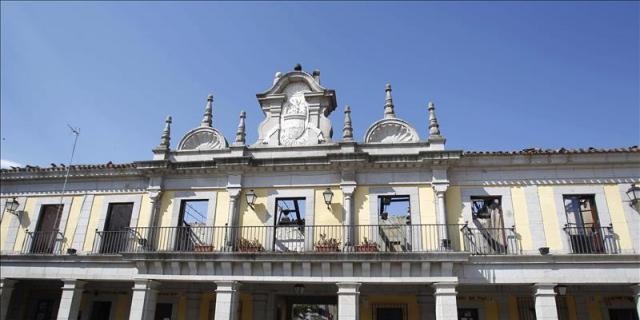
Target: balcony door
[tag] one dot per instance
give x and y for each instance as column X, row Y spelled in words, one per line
column 583, row 224
column 46, row 233
column 118, row 219
column 192, row 230
column 289, row 224
column 489, row 236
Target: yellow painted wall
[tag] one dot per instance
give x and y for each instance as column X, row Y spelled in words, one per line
column 247, row 306
column 520, row 216
column 594, row 304
column 616, row 211
column 366, row 309
column 93, row 222
column 123, row 303
column 361, row 205
column 72, row 221
column 144, row 217
column 328, row 216
column 453, row 201
column 427, row 205
column 182, row 308
column 166, row 208
column 571, row 308
column 4, row 226
column 256, row 216
column 222, row 208
column 550, row 217
column 205, row 302
column 491, row 309
column 513, row 308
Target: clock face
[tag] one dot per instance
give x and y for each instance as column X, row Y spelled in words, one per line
column 202, row 140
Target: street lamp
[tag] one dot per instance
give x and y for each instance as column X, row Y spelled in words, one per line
column 328, row 196
column 251, row 198
column 634, row 195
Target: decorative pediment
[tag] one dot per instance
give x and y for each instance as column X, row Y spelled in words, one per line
column 296, row 108
column 391, row 131
column 203, row 138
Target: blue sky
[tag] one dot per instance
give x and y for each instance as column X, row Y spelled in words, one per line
column 503, row 75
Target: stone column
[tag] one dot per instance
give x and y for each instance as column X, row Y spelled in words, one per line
column 636, row 297
column 446, row 303
column 143, row 300
column 226, row 300
column 427, row 307
column 193, row 305
column 260, row 311
column 232, row 218
column 545, row 301
column 348, row 300
column 441, row 219
column 347, row 204
column 70, row 300
column 155, row 198
column 6, row 289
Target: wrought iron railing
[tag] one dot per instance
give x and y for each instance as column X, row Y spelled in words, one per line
column 42, row 242
column 301, row 238
column 591, row 239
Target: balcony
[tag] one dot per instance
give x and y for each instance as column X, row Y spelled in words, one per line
column 42, row 242
column 589, row 238
column 299, row 238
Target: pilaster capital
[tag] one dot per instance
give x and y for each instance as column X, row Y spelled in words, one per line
column 440, row 188
column 234, row 192
column 227, row 286
column 348, row 288
column 444, row 288
column 544, row 289
column 348, row 189
column 154, row 194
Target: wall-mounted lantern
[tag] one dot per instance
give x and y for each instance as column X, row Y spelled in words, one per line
column 328, row 196
column 11, row 205
column 634, row 196
column 562, row 290
column 251, row 198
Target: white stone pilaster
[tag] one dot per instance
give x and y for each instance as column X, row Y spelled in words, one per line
column 446, row 303
column 6, row 289
column 70, row 299
column 259, row 303
column 426, row 303
column 545, row 301
column 143, row 300
column 232, row 218
column 348, row 300
column 441, row 218
column 347, row 192
column 226, row 300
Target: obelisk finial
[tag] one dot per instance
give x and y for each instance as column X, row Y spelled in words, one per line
column 207, row 120
column 434, row 127
column 240, row 133
column 165, row 139
column 388, row 103
column 347, row 130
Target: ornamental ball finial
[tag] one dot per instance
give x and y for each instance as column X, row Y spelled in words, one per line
column 298, row 67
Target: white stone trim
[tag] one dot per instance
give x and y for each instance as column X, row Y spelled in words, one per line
column 601, row 206
column 135, row 212
column 414, row 204
column 309, row 210
column 83, row 222
column 534, row 216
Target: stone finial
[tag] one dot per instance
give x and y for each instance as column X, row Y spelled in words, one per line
column 434, row 127
column 388, row 103
column 241, row 133
column 166, row 135
column 347, row 130
column 207, row 120
column 316, row 75
column 277, row 77
column 298, row 67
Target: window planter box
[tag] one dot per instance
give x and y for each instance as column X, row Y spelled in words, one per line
column 203, row 248
column 329, row 248
column 250, row 249
column 367, row 248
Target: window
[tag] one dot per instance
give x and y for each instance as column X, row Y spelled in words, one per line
column 46, row 234
column 486, row 208
column 390, row 311
column 394, row 209
column 290, row 211
column 486, row 234
column 118, row 219
column 468, row 314
column 192, row 225
column 583, row 224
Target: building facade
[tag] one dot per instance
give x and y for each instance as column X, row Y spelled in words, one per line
column 305, row 225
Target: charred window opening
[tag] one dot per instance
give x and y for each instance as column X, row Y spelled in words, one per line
column 486, row 207
column 290, row 211
column 395, row 209
column 581, row 211
column 193, row 213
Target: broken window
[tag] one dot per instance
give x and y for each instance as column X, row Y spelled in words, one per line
column 192, row 222
column 193, row 213
column 395, row 209
column 581, row 211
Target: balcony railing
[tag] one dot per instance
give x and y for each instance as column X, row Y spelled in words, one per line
column 42, row 242
column 591, row 239
column 301, row 238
